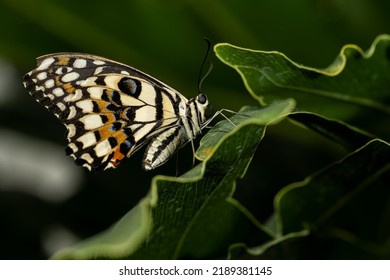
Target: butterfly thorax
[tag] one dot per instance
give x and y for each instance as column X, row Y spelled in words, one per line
column 164, row 145
column 194, row 117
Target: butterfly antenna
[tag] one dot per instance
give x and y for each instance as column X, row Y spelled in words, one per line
column 200, row 78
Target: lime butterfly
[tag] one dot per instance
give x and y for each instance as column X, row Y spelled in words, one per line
column 111, row 110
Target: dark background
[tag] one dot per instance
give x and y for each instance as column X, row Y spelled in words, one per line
column 47, row 202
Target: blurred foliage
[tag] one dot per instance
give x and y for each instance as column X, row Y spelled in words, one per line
column 164, row 38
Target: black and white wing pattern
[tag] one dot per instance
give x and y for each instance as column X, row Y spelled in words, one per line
column 110, row 109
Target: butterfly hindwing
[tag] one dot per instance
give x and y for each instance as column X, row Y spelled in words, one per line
column 110, row 109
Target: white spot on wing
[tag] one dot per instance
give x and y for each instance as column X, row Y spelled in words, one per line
column 80, row 63
column 148, row 94
column 96, row 92
column 73, row 147
column 143, row 131
column 145, row 114
column 61, row 106
column 38, row 88
column 72, row 112
column 85, row 105
column 70, row 77
column 58, row 92
column 78, row 94
column 89, row 82
column 169, row 110
column 87, row 139
column 92, row 121
column 112, row 80
column 103, row 148
column 135, row 126
column 71, row 132
column 86, row 165
column 98, row 70
column 46, row 63
column 79, row 82
column 130, row 101
column 98, row 62
column 42, row 76
column 49, row 83
column 109, row 165
column 87, row 157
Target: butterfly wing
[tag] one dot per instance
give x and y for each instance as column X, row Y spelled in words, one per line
column 109, row 109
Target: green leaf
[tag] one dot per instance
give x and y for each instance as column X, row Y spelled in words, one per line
column 348, row 136
column 118, row 240
column 193, row 216
column 344, row 205
column 274, row 249
column 304, row 245
column 356, row 84
column 268, row 115
column 323, row 195
column 335, row 199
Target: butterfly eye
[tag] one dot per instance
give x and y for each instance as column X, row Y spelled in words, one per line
column 202, row 98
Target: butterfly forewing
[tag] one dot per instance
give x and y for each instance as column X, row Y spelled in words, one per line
column 110, row 109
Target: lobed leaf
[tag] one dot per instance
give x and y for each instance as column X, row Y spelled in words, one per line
column 193, row 216
column 323, row 194
column 330, row 208
column 340, row 132
column 356, row 84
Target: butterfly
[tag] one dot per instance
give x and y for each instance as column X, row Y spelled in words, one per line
column 110, row 110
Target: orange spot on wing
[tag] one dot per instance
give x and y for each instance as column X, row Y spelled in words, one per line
column 111, row 118
column 105, row 131
column 102, row 106
column 67, row 87
column 63, row 61
column 117, row 158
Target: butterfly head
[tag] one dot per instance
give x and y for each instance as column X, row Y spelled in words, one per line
column 202, row 104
